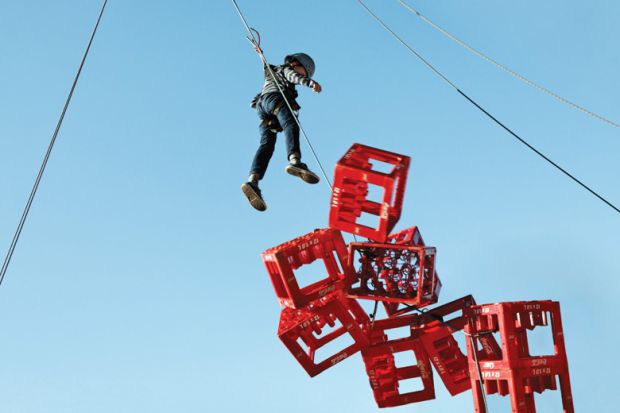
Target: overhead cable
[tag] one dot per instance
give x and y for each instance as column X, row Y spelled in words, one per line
column 33, row 192
column 256, row 45
column 511, row 72
column 473, row 102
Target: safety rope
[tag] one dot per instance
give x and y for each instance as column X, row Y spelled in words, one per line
column 479, row 370
column 256, row 45
column 373, row 315
column 506, row 69
column 441, row 75
column 24, row 216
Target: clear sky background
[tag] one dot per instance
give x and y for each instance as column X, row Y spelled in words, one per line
column 138, row 286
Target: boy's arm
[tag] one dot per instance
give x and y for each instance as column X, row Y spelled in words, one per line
column 299, row 79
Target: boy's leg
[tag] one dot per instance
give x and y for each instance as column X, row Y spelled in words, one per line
column 291, row 134
column 252, row 192
column 259, row 166
column 290, row 129
column 264, row 151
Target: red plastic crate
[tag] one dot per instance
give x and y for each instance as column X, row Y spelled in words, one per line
column 514, row 371
column 436, row 334
column 353, row 175
column 282, row 261
column 393, row 273
column 305, row 331
column 410, row 237
column 384, row 376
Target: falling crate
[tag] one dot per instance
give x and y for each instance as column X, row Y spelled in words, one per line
column 384, row 376
column 409, row 237
column 305, row 331
column 436, row 334
column 353, row 176
column 514, row 371
column 282, row 261
column 323, row 323
column 391, row 273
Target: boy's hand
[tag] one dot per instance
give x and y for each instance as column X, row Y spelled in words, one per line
column 317, row 87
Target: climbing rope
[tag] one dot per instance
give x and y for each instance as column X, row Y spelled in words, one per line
column 441, row 75
column 256, row 43
column 373, row 315
column 506, row 69
column 480, row 379
column 24, row 216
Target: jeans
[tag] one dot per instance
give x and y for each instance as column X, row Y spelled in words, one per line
column 265, row 107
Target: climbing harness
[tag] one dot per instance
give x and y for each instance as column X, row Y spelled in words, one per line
column 511, row 72
column 24, row 216
column 254, row 39
column 271, row 120
column 473, row 102
column 272, row 123
column 290, row 93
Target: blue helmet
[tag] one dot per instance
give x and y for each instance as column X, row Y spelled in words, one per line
column 304, row 60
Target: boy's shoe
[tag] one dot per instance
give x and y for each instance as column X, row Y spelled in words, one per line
column 301, row 170
column 252, row 192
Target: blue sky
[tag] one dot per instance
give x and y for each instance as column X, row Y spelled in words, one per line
column 137, row 284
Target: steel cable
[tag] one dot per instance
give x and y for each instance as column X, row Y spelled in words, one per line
column 506, row 69
column 33, row 192
column 256, row 45
column 275, row 80
column 474, row 347
column 442, row 76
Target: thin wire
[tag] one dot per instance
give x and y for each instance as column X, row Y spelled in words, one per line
column 508, row 70
column 484, row 111
column 264, row 60
column 474, row 348
column 373, row 316
column 540, row 154
column 475, row 351
column 256, row 44
column 24, row 216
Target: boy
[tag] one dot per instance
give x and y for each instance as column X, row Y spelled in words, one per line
column 275, row 116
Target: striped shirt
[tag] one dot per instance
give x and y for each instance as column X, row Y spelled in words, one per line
column 287, row 78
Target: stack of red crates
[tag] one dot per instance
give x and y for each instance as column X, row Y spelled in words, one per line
column 398, row 271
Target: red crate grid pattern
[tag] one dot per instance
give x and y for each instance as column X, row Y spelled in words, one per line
column 436, row 329
column 410, row 237
column 354, row 173
column 393, row 273
column 384, row 375
column 514, row 371
column 282, row 261
column 398, row 270
column 305, row 331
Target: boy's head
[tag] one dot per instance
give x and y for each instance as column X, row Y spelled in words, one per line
column 296, row 66
column 301, row 63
